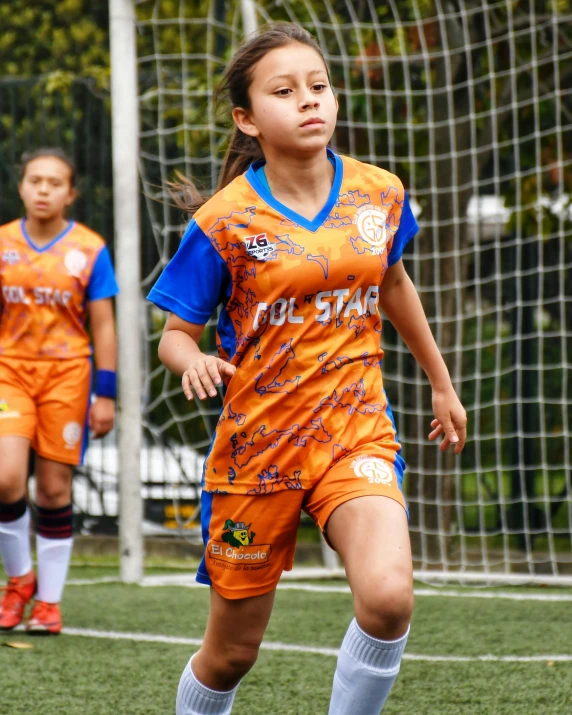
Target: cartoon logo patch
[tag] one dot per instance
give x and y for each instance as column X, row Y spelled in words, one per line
column 237, row 545
column 377, row 471
column 10, row 256
column 75, row 261
column 5, row 410
column 259, row 246
column 371, row 223
column 237, row 534
column 72, row 434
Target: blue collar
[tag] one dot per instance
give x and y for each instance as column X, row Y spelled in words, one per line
column 41, row 249
column 260, row 185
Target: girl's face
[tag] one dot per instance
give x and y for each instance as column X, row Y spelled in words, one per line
column 293, row 108
column 46, row 188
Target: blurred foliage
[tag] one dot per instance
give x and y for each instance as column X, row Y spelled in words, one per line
column 54, row 78
column 63, row 36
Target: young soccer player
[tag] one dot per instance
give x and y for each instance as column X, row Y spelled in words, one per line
column 55, row 275
column 301, row 247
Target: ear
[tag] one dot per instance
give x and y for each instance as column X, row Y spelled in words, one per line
column 72, row 196
column 244, row 122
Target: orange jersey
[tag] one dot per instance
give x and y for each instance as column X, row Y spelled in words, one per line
column 300, row 321
column 44, row 291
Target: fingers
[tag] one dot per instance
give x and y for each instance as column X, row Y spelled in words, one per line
column 100, row 427
column 454, row 435
column 204, row 376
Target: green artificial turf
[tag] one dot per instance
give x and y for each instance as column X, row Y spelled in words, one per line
column 73, row 675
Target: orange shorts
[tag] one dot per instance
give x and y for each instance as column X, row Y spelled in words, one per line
column 47, row 401
column 250, row 539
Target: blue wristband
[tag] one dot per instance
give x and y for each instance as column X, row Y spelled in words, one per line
column 106, row 384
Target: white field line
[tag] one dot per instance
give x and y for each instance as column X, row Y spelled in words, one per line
column 292, row 648
column 189, row 582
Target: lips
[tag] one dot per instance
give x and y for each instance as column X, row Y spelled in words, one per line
column 311, row 121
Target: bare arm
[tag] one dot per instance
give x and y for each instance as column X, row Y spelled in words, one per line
column 102, row 321
column 180, row 353
column 401, row 304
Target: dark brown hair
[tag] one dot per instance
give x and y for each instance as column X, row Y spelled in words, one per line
column 243, row 150
column 56, row 152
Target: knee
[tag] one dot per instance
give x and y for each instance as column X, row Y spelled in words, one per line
column 11, row 490
column 53, row 496
column 53, row 487
column 239, row 659
column 231, row 664
column 383, row 609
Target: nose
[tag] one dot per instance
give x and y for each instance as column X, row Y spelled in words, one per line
column 309, row 100
column 43, row 187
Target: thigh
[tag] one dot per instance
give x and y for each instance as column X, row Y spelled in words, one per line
column 14, row 458
column 237, row 622
column 371, row 536
column 62, row 412
column 249, row 541
column 18, row 414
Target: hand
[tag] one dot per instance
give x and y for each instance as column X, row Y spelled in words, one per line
column 203, row 374
column 450, row 420
column 101, row 417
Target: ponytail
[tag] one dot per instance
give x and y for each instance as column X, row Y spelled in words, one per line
column 241, row 153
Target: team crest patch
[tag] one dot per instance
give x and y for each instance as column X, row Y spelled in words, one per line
column 259, row 246
column 237, row 547
column 371, row 223
column 10, row 256
column 72, row 434
column 376, row 471
column 75, row 261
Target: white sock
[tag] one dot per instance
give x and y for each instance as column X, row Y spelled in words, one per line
column 15, row 546
column 366, row 670
column 194, row 698
column 53, row 561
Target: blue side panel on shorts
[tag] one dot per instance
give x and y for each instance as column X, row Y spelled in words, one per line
column 85, row 441
column 206, row 515
column 399, row 464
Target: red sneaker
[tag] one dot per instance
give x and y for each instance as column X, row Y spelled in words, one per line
column 17, row 594
column 45, row 619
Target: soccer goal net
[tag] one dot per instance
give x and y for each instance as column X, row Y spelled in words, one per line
column 469, row 103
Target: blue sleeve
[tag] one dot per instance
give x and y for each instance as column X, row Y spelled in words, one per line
column 194, row 281
column 407, row 229
column 102, row 283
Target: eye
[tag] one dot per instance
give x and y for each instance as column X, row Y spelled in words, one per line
column 319, row 87
column 283, row 92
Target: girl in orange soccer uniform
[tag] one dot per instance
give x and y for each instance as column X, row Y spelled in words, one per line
column 55, row 275
column 300, row 247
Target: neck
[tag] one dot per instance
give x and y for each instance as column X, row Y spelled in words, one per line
column 300, row 182
column 42, row 231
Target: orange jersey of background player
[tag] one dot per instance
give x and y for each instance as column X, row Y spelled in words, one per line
column 300, row 320
column 44, row 290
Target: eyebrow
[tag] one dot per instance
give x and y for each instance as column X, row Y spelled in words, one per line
column 289, row 76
